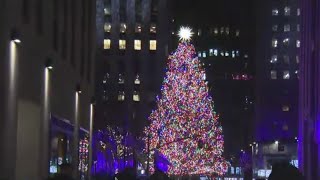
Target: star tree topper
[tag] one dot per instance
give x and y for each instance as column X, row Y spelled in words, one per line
column 185, row 34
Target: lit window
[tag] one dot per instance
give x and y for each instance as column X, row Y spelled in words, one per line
column 204, row 54
column 298, row 12
column 226, row 54
column 137, row 80
column 137, row 44
column 274, row 43
column 153, row 45
column 121, row 79
column 107, row 27
column 221, row 30
column 216, row 31
column 297, row 59
column 123, row 27
column 136, row 96
column 298, row 43
column 227, row 30
column 138, row 28
column 297, row 73
column 221, row 53
column 153, row 28
column 106, row 44
column 215, row 52
column 286, row 59
column 287, row 11
column 237, row 53
column 285, row 108
column 275, row 12
column 274, row 59
column 246, row 56
column 199, row 54
column 121, row 96
column 238, row 33
column 275, row 28
column 107, row 11
column 286, row 75
column 298, row 27
column 273, row 74
column 286, row 41
column 286, row 28
column 210, row 52
column 233, row 54
column 122, row 44
column 199, row 32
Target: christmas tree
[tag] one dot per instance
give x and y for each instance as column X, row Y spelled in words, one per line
column 184, row 126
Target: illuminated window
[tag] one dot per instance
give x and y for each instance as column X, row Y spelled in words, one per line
column 123, row 27
column 216, row 31
column 273, row 74
column 298, row 43
column 121, row 96
column 237, row 53
column 286, row 59
column 199, row 54
column 221, row 30
column 287, row 11
column 285, row 108
column 153, row 45
column 210, row 52
column 286, row 28
column 137, row 44
column 286, row 41
column 298, row 27
column 137, row 80
column 199, row 32
column 238, row 33
column 221, row 53
column 138, row 28
column 136, row 96
column 107, row 10
column 106, row 44
column 275, row 12
column 153, row 28
column 233, row 54
column 107, row 27
column 121, row 79
column 204, row 54
column 122, row 44
column 275, row 28
column 215, row 52
column 227, row 30
column 274, row 43
column 226, row 54
column 297, row 59
column 286, row 75
column 298, row 12
column 274, row 59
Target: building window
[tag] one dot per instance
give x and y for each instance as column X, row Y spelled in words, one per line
column 221, row 30
column 275, row 12
column 107, row 27
column 199, row 32
column 107, row 10
column 121, row 96
column 286, row 41
column 121, row 79
column 286, row 59
column 210, row 52
column 227, row 30
column 297, row 59
column 298, row 12
column 137, row 80
column 137, row 44
column 274, row 59
column 275, row 28
column 285, row 108
column 137, row 28
column 298, row 27
column 123, row 27
column 226, row 54
column 122, row 44
column 273, row 74
column 298, row 43
column 297, row 73
column 286, row 75
column 153, row 45
column 153, row 28
column 215, row 52
column 237, row 33
column 136, row 96
column 216, row 31
column 274, row 43
column 286, row 28
column 199, row 54
column 204, row 54
column 221, row 53
column 106, row 44
column 287, row 11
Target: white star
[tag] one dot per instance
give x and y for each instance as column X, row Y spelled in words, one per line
column 185, row 33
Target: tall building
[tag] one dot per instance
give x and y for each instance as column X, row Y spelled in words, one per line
column 46, row 52
column 132, row 48
column 277, row 74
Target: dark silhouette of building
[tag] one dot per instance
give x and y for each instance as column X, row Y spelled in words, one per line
column 277, row 74
column 132, row 48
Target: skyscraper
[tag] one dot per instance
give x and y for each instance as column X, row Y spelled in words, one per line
column 132, row 44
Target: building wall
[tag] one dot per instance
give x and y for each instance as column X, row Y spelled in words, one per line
column 47, row 30
column 148, row 64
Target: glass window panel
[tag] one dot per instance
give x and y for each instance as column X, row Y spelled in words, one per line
column 122, row 44
column 137, row 44
column 153, row 45
column 106, row 44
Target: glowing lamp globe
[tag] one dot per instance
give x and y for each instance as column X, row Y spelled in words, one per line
column 185, row 34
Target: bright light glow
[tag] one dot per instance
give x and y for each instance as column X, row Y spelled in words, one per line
column 276, row 142
column 185, row 33
column 18, row 41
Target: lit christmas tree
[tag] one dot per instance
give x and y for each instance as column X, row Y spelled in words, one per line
column 184, row 127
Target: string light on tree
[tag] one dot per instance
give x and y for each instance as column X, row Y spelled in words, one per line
column 184, row 127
